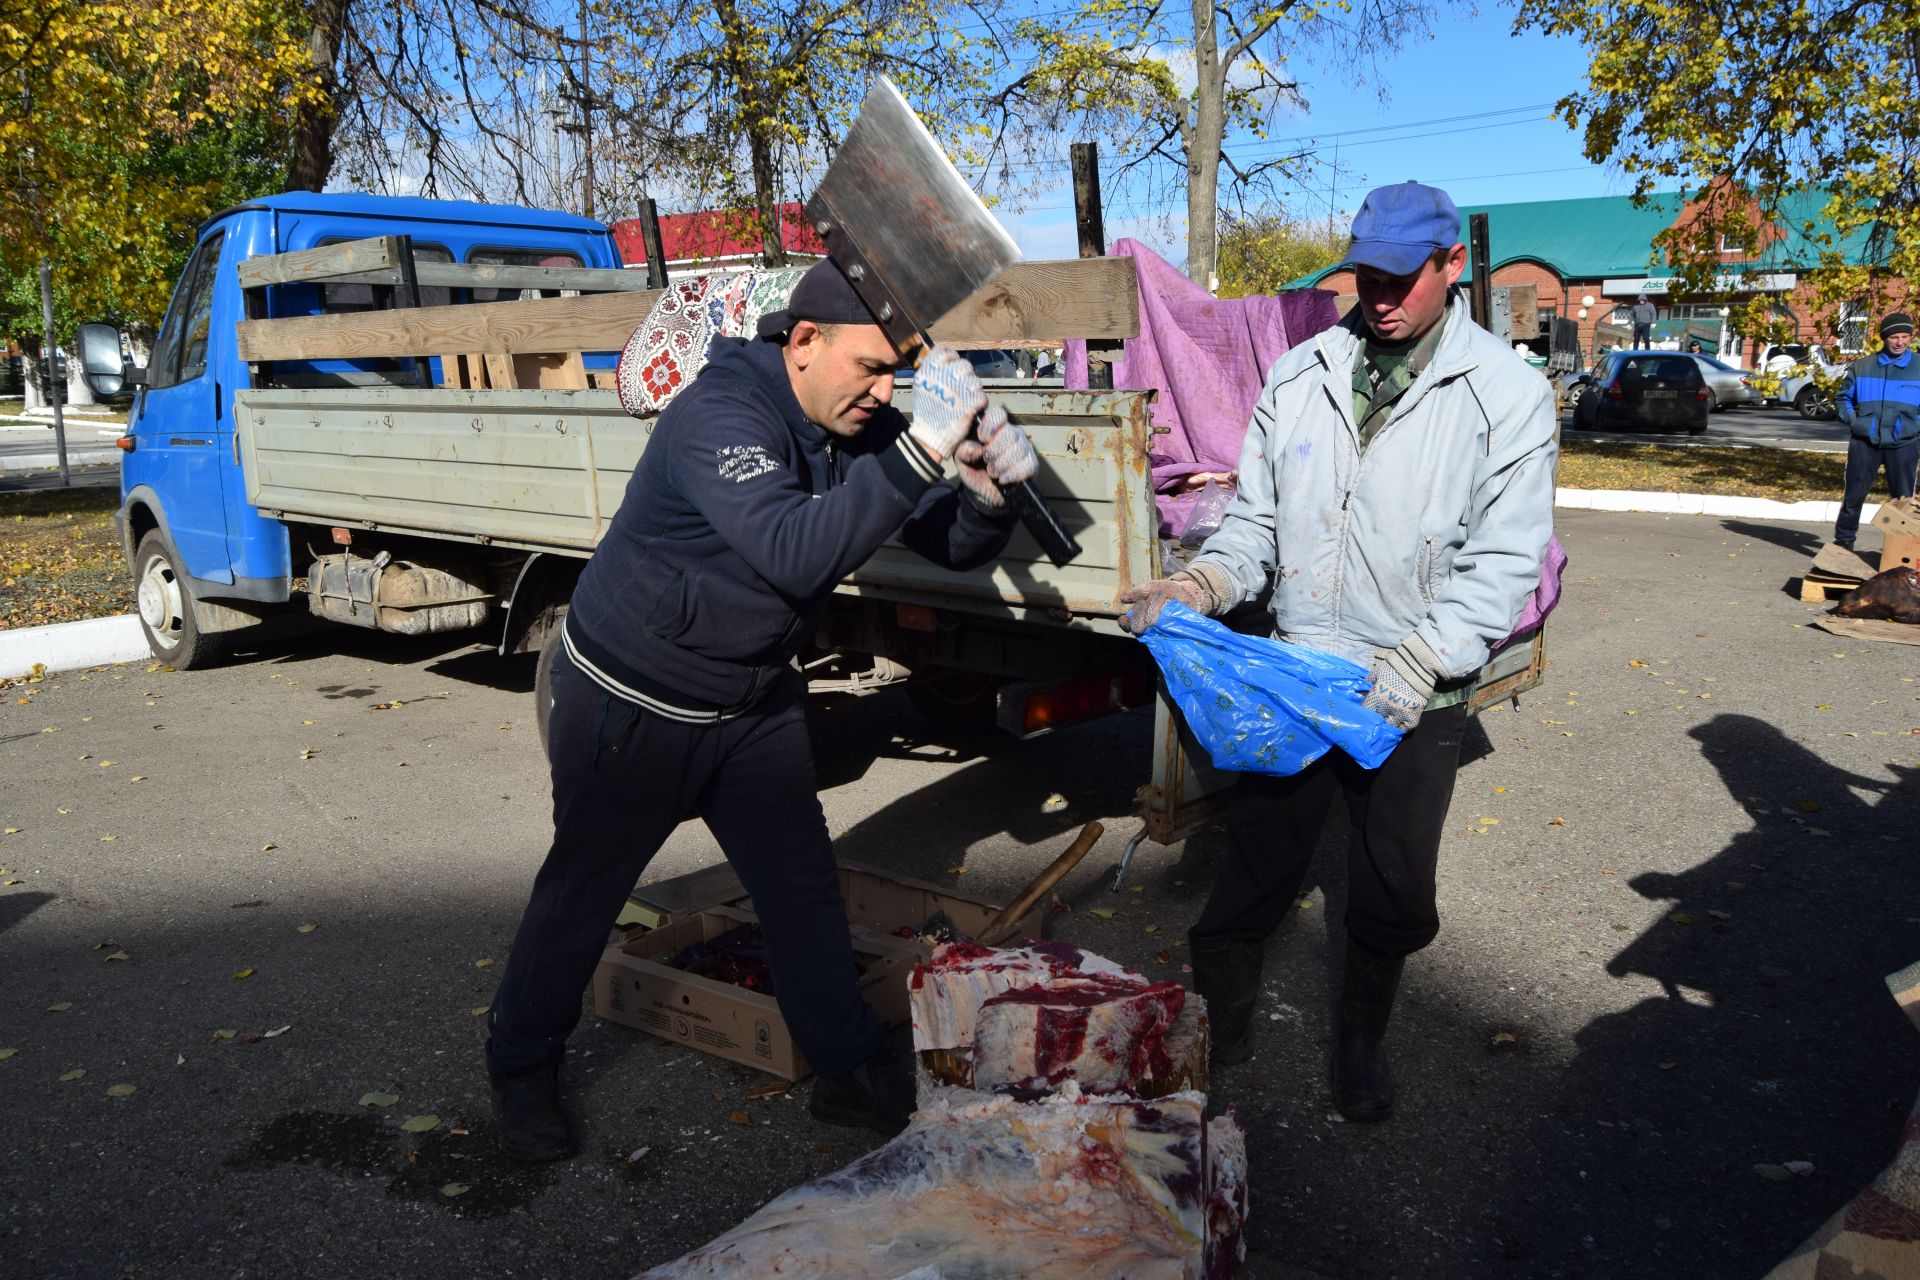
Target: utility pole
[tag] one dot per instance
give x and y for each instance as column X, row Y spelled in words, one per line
column 586, row 113
column 56, row 390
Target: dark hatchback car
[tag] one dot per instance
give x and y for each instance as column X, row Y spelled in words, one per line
column 1645, row 389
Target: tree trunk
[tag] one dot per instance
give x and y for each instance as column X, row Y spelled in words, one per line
column 314, row 123
column 1203, row 148
column 773, row 248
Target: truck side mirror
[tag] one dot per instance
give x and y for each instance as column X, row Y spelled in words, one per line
column 105, row 369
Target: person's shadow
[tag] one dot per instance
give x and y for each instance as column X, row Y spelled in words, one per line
column 1771, row 1037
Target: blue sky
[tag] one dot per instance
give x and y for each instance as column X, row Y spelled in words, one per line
column 1468, row 110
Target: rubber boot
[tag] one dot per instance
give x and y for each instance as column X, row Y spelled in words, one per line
column 1362, row 1081
column 1226, row 974
column 528, row 1121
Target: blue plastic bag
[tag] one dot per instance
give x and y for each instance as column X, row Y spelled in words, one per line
column 1263, row 706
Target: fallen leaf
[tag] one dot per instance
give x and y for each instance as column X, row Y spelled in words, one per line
column 277, row 1031
column 1556, row 822
column 819, row 1149
column 1668, row 1066
column 452, row 1189
column 485, row 962
column 956, row 871
column 1304, row 904
column 306, row 928
column 78, row 1073
column 1801, row 1167
column 1136, row 888
column 242, row 973
column 7, row 1053
column 106, row 764
column 420, row 1124
column 12, row 831
column 306, row 722
column 1163, row 957
column 117, row 956
column 639, row 1152
column 1809, row 806
column 1489, row 822
column 1680, row 917
column 1053, row 803
column 268, row 848
column 62, row 1007
column 479, row 1009
column 122, row 1090
column 1772, row 1172
column 138, row 777
column 1719, row 915
column 378, row 1099
column 1152, row 928
column 108, row 839
column 768, row 1089
column 1105, row 913
column 225, row 1033
column 1505, row 1037
column 1499, row 791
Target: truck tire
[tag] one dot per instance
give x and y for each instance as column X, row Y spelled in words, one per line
column 1812, row 405
column 965, row 701
column 543, row 678
column 165, row 603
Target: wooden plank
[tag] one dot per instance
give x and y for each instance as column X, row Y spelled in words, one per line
column 1029, row 301
column 474, row 367
column 501, row 373
column 476, row 275
column 1523, row 304
column 378, row 256
column 452, row 373
column 1036, row 301
column 603, row 379
column 556, row 371
column 1822, row 590
column 598, row 322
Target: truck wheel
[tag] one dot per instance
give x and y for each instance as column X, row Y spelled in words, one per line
column 1813, row 406
column 961, row 700
column 543, row 678
column 166, row 607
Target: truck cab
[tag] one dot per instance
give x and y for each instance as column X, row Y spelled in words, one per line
column 204, row 559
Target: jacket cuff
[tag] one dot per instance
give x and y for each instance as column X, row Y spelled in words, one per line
column 1416, row 663
column 912, row 470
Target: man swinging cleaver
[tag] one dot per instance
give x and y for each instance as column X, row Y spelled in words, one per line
column 780, row 470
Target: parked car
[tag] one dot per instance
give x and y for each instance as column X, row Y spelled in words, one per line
column 1726, row 385
column 1645, row 389
column 1807, row 376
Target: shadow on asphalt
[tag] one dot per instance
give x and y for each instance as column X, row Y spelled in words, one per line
column 1804, row 542
column 1775, row 1039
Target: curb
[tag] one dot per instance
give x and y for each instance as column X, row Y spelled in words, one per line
column 67, row 646
column 49, row 461
column 1703, row 504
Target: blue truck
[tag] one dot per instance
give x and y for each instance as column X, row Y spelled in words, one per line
column 401, row 413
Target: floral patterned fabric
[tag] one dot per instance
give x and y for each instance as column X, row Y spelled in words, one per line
column 669, row 348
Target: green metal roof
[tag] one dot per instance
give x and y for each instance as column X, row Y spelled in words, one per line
column 1602, row 236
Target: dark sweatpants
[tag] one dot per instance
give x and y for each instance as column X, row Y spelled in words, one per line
column 623, row 778
column 1864, row 461
column 1398, row 812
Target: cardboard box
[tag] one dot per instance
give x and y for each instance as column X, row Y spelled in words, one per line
column 1899, row 524
column 635, row 984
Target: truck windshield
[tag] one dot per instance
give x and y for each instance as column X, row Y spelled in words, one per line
column 520, row 258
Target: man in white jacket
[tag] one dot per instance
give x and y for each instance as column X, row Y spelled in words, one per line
column 1396, row 493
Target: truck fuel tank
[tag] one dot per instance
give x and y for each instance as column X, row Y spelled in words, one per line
column 401, row 596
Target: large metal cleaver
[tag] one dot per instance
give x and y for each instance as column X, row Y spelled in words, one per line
column 916, row 242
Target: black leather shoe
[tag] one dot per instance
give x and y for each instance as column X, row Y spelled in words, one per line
column 527, row 1119
column 877, row 1094
column 1226, row 974
column 1362, row 1080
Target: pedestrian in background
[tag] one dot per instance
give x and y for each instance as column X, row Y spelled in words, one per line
column 1644, row 314
column 1880, row 403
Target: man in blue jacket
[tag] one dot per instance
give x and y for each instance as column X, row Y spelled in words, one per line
column 1396, row 493
column 778, row 471
column 1881, row 404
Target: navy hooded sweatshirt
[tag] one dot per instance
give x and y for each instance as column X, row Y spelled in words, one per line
column 739, row 521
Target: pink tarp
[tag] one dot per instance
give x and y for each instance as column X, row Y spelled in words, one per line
column 1208, row 357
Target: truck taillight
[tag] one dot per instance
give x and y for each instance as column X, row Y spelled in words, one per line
column 1027, row 711
column 124, row 444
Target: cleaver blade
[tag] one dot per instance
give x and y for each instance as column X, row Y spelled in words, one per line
column 901, row 221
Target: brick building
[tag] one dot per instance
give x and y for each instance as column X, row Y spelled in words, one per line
column 1589, row 259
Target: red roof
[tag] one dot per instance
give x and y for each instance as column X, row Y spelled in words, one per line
column 714, row 234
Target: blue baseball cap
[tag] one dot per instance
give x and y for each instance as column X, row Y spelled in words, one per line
column 1399, row 226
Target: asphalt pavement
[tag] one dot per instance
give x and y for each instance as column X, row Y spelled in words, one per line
column 1672, row 882
column 1770, row 427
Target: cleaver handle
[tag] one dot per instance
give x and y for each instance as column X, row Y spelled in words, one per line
column 1060, row 546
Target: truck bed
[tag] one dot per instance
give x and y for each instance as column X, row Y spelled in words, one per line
column 545, row 470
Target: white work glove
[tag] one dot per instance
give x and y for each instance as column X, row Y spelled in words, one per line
column 947, row 400
column 998, row 454
column 1403, row 681
column 1202, row 587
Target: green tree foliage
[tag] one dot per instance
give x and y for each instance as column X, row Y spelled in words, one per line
column 1166, row 85
column 1797, row 120
column 124, row 125
column 1262, row 253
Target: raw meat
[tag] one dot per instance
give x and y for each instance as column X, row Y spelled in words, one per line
column 1103, row 1033
column 981, row 1187
column 948, row 991
column 1893, row 595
